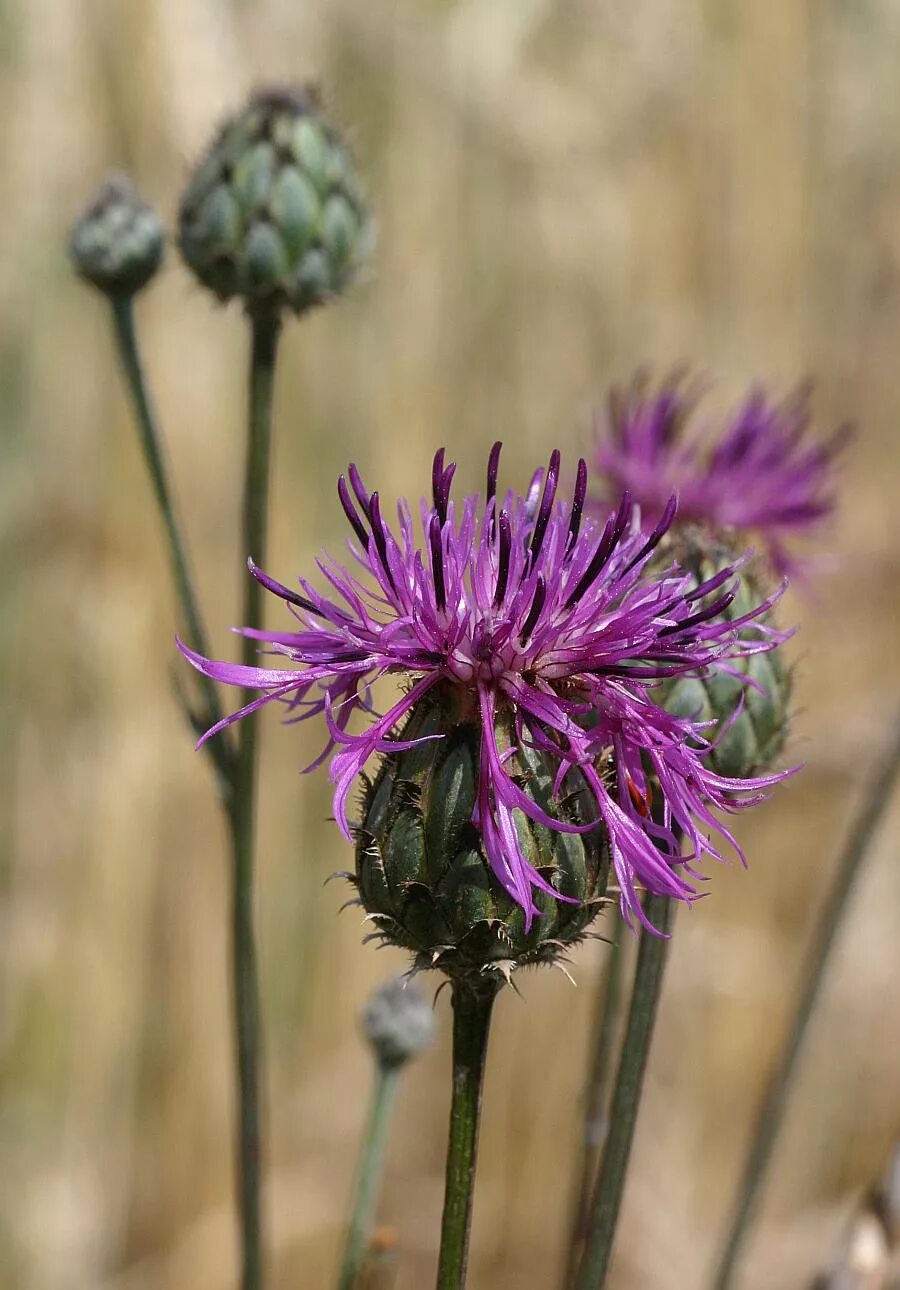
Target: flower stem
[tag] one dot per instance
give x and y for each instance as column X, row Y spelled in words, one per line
column 596, row 1120
column 151, row 445
column 472, row 1005
column 605, row 1203
column 265, row 332
column 865, row 823
column 368, row 1180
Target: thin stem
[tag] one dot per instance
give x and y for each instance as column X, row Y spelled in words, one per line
column 151, row 445
column 369, row 1177
column 265, row 332
column 596, row 1119
column 865, row 823
column 607, row 1198
column 472, row 1007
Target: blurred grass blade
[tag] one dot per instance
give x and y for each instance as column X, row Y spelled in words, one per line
column 869, row 816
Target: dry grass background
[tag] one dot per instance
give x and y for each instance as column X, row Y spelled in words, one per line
column 564, row 189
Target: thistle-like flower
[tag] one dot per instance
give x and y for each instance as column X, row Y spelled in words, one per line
column 526, row 746
column 762, row 478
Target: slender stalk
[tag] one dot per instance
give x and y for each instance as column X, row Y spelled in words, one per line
column 607, row 1198
column 369, row 1177
column 265, row 332
column 472, row 1007
column 236, row 769
column 771, row 1113
column 151, row 445
column 596, row 1120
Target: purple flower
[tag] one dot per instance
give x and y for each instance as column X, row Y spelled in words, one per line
column 532, row 608
column 762, row 474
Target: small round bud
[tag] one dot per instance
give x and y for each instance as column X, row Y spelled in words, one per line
column 274, row 213
column 421, row 870
column 398, row 1023
column 749, row 743
column 117, row 244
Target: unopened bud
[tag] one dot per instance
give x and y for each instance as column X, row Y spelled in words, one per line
column 398, row 1023
column 274, row 213
column 117, row 243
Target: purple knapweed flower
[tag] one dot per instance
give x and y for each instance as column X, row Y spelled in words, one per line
column 529, row 608
column 762, row 474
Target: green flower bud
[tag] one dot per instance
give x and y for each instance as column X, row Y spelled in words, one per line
column 422, row 873
column 117, row 244
column 398, row 1023
column 753, row 741
column 274, row 213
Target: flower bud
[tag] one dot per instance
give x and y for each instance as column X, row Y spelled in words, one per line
column 421, row 869
column 749, row 743
column 398, row 1023
column 117, row 243
column 274, row 213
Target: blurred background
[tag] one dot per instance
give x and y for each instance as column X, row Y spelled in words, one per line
column 563, row 190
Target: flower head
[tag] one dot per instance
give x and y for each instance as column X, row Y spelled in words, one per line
column 274, row 212
column 762, row 474
column 397, row 1022
column 543, row 623
column 117, row 243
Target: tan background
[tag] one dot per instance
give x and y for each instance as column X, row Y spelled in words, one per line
column 563, row 189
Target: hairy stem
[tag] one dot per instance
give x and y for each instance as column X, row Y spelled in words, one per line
column 870, row 814
column 472, row 1007
column 607, row 1197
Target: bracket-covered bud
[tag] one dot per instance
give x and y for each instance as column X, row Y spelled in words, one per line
column 421, row 870
column 398, row 1023
column 274, row 213
column 117, row 243
column 749, row 743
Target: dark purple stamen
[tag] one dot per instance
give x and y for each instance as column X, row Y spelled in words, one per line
column 280, row 590
column 546, row 506
column 503, row 554
column 493, row 466
column 577, row 503
column 437, row 561
column 380, row 539
column 359, row 489
column 350, row 512
column 441, row 480
column 655, row 537
column 711, row 584
column 701, row 616
column 437, row 475
column 612, row 536
column 537, row 604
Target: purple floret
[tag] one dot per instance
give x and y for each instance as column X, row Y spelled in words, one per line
column 535, row 609
column 762, row 474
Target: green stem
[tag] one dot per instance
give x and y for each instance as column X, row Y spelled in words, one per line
column 370, row 1170
column 596, row 1119
column 472, row 1007
column 870, row 814
column 607, row 1198
column 265, row 332
column 151, row 445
